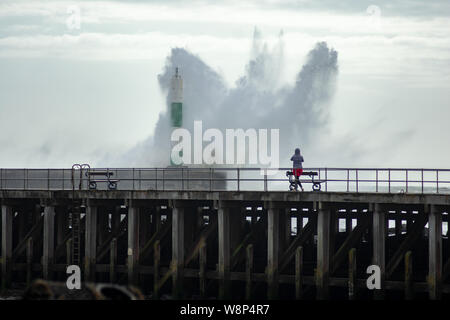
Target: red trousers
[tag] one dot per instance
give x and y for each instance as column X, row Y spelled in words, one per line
column 297, row 172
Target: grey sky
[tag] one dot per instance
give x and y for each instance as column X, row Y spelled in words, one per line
column 80, row 95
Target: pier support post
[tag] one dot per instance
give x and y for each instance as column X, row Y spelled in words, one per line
column 156, row 261
column 248, row 271
column 409, row 289
column 287, row 228
column 202, row 270
column 323, row 250
column 113, row 261
column 29, row 260
column 177, row 250
column 435, row 252
column 379, row 245
column 90, row 251
column 133, row 243
column 352, row 274
column 144, row 225
column 298, row 273
column 273, row 249
column 224, row 250
column 115, row 219
column 102, row 223
column 62, row 224
column 7, row 221
column 48, row 242
column 348, row 222
column 299, row 216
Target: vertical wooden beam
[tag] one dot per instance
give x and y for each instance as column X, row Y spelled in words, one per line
column 29, row 260
column 7, row 227
column 236, row 230
column 202, row 272
column 298, row 273
column 273, row 250
column 157, row 218
column 348, row 222
column 224, row 251
column 61, row 224
column 299, row 220
column 156, row 261
column 113, row 261
column 254, row 215
column 22, row 224
column 90, row 250
column 398, row 222
column 48, row 242
column 115, row 219
column 323, row 251
column 409, row 289
column 352, row 274
column 177, row 250
column 435, row 253
column 379, row 245
column 133, row 243
column 144, row 225
column 102, row 223
column 248, row 272
column 287, row 228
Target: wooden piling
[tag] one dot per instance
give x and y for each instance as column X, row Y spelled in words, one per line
column 90, row 252
column 435, row 252
column 144, row 225
column 29, row 261
column 273, row 249
column 177, row 251
column 348, row 222
column 202, row 270
column 133, row 244
column 115, row 219
column 409, row 289
column 102, row 224
column 156, row 262
column 379, row 245
column 287, row 228
column 224, row 251
column 48, row 242
column 7, row 227
column 299, row 220
column 113, row 261
column 61, row 224
column 248, row 272
column 298, row 273
column 352, row 274
column 323, row 251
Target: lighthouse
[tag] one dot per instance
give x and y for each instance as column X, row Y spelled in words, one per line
column 176, row 104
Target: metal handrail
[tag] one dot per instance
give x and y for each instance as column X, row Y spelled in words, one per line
column 405, row 180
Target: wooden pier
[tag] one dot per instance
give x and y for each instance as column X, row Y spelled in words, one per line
column 231, row 244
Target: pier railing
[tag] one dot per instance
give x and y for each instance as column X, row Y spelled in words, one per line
column 385, row 180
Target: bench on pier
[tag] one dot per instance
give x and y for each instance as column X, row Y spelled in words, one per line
column 316, row 184
column 112, row 183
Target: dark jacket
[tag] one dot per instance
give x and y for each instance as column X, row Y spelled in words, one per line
column 297, row 158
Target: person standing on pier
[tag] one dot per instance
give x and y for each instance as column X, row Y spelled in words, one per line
column 297, row 160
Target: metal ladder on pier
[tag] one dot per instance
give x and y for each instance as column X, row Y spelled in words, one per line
column 76, row 216
column 76, row 234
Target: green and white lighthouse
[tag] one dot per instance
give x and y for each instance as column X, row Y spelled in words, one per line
column 176, row 105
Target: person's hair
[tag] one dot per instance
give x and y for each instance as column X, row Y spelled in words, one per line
column 297, row 151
